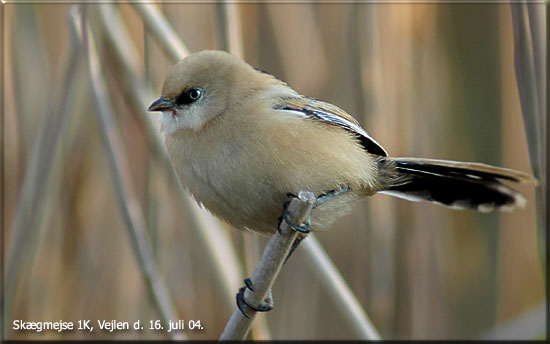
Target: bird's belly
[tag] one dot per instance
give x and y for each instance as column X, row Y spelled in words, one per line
column 244, row 180
column 255, row 203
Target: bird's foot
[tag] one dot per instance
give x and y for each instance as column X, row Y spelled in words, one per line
column 304, row 228
column 266, row 306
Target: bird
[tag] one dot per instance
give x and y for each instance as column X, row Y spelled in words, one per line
column 242, row 141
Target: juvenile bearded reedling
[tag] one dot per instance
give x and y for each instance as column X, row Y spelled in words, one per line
column 241, row 140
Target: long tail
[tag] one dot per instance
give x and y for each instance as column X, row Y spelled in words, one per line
column 462, row 185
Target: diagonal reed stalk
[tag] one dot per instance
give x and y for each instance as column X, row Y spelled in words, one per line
column 213, row 237
column 161, row 30
column 528, row 75
column 337, row 289
column 124, row 193
column 530, row 71
column 41, row 177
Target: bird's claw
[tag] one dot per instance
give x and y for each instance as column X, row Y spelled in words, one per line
column 304, row 228
column 266, row 306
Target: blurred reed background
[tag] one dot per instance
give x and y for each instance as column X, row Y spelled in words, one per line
column 426, row 80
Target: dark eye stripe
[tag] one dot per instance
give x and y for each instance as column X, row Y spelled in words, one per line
column 189, row 96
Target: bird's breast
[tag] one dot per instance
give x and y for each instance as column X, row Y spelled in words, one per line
column 226, row 180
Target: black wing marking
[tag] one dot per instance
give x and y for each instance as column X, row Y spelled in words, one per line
column 331, row 114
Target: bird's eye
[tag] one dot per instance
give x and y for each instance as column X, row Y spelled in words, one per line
column 195, row 94
column 189, row 96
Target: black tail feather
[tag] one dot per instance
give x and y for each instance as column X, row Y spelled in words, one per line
column 457, row 185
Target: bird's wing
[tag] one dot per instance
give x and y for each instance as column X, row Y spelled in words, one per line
column 331, row 114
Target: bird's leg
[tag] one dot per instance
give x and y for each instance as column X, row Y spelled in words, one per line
column 295, row 244
column 306, row 227
column 267, row 304
column 330, row 195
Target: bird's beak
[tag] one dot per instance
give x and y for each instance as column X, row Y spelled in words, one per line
column 161, row 104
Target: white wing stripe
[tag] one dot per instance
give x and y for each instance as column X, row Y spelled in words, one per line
column 333, row 119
